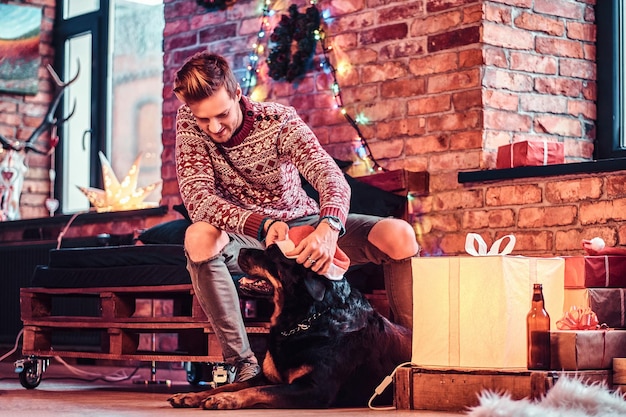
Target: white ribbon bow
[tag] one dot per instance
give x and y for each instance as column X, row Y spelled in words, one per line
column 474, row 239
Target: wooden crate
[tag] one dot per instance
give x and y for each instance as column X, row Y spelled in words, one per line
column 456, row 389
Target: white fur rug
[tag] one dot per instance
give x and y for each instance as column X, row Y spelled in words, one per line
column 567, row 398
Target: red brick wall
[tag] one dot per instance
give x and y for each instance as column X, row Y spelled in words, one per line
column 547, row 215
column 444, row 83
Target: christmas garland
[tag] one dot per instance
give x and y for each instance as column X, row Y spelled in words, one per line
column 295, row 27
column 215, row 4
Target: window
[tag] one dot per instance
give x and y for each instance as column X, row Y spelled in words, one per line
column 611, row 63
column 117, row 99
column 610, row 144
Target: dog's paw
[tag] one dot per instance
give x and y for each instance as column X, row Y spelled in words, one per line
column 186, row 400
column 223, row 401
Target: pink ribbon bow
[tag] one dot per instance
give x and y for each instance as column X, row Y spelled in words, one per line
column 578, row 319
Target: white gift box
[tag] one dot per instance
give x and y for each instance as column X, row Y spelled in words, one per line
column 470, row 311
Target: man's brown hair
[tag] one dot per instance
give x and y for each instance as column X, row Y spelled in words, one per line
column 201, row 76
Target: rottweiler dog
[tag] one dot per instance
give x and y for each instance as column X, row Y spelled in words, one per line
column 327, row 346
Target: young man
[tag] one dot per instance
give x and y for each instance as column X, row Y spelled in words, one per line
column 238, row 164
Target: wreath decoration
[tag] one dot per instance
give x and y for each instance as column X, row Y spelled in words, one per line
column 295, row 27
column 212, row 5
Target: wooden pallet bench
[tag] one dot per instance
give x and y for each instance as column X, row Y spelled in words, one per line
column 119, row 326
column 456, row 389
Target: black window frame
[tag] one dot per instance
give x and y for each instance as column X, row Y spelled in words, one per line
column 96, row 23
column 609, row 85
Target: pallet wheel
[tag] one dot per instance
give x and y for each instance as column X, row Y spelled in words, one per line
column 195, row 372
column 32, row 370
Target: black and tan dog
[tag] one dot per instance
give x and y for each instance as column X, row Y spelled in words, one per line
column 327, row 347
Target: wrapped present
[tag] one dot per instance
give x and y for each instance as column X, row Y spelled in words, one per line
column 573, row 350
column 595, row 271
column 576, row 297
column 574, row 272
column 530, row 153
column 608, row 304
column 470, row 311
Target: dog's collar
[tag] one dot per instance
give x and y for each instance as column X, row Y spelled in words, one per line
column 304, row 324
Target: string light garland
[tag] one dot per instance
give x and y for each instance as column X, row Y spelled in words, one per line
column 257, row 49
column 310, row 32
column 365, row 151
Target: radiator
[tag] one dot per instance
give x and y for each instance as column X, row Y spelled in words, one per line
column 17, row 263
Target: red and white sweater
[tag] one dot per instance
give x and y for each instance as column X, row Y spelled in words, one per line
column 255, row 175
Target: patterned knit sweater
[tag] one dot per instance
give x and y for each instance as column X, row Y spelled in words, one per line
column 255, row 175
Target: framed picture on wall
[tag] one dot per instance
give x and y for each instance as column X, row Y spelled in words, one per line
column 20, row 30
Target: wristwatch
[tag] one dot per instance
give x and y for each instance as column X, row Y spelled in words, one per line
column 334, row 223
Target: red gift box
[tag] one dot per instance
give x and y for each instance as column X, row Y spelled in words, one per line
column 609, row 305
column 530, row 153
column 595, row 271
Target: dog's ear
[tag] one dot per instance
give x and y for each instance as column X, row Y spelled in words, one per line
column 315, row 286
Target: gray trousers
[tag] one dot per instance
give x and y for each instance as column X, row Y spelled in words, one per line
column 217, row 294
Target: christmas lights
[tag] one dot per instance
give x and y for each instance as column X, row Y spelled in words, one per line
column 365, row 153
column 257, row 49
column 306, row 29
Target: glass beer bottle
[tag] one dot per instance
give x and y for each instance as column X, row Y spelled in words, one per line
column 538, row 332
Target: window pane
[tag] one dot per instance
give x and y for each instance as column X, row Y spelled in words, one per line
column 73, row 8
column 76, row 150
column 137, row 90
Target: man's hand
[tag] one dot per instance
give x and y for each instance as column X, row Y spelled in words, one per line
column 317, row 250
column 275, row 232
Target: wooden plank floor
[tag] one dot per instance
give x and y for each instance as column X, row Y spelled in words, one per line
column 63, row 393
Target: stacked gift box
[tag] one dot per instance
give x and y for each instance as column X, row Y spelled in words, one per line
column 598, row 283
column 469, row 323
column 470, row 311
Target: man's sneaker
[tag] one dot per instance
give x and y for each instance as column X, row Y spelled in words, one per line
column 247, row 369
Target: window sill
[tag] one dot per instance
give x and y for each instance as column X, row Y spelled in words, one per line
column 39, row 228
column 606, row 165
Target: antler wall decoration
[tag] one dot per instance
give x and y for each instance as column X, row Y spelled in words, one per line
column 13, row 166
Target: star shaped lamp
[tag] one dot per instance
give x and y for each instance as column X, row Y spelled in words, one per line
column 119, row 196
